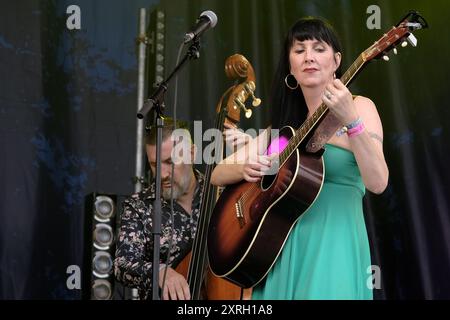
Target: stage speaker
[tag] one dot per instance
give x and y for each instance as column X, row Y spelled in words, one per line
column 101, row 221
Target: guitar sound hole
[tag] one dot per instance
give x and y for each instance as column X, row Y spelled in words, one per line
column 267, row 181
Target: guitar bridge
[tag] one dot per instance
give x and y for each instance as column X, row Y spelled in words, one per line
column 239, row 214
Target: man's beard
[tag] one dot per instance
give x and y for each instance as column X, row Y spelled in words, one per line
column 179, row 188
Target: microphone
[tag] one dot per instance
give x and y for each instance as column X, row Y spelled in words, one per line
column 207, row 19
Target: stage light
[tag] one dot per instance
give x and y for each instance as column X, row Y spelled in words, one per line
column 101, row 290
column 98, row 272
column 104, row 208
column 156, row 48
column 103, row 236
column 102, row 264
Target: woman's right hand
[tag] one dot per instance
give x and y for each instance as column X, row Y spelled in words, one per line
column 255, row 168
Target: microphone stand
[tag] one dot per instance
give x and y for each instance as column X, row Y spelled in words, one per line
column 156, row 103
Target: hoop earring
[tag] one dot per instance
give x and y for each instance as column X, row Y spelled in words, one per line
column 286, row 80
column 334, row 75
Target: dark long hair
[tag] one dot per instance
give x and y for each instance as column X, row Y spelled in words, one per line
column 289, row 106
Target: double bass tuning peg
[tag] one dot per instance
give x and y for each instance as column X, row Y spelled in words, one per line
column 239, row 101
column 250, row 88
column 240, row 98
column 248, row 112
column 256, row 101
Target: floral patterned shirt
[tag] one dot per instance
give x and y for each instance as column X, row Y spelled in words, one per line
column 134, row 250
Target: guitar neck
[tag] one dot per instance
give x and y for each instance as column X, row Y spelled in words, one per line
column 312, row 122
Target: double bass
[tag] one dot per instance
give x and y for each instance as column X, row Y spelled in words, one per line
column 202, row 282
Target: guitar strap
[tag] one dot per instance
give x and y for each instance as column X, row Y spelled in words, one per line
column 324, row 132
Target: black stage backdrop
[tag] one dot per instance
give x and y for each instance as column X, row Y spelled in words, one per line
column 67, row 124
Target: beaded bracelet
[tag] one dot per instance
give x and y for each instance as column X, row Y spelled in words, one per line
column 348, row 127
column 356, row 130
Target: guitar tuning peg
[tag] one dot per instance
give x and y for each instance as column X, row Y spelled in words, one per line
column 395, row 51
column 404, row 44
column 412, row 40
column 385, row 58
column 248, row 113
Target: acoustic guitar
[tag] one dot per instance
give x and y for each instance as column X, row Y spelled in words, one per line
column 251, row 221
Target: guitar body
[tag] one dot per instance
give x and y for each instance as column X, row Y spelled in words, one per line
column 244, row 249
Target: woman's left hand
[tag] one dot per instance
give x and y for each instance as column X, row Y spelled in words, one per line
column 339, row 100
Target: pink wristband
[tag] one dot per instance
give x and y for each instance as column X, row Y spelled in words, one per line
column 353, row 132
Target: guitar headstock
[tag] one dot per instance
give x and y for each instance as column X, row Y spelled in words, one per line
column 401, row 34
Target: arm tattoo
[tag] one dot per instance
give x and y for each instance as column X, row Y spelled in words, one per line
column 376, row 137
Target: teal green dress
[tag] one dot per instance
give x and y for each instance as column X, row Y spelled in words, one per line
column 327, row 254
